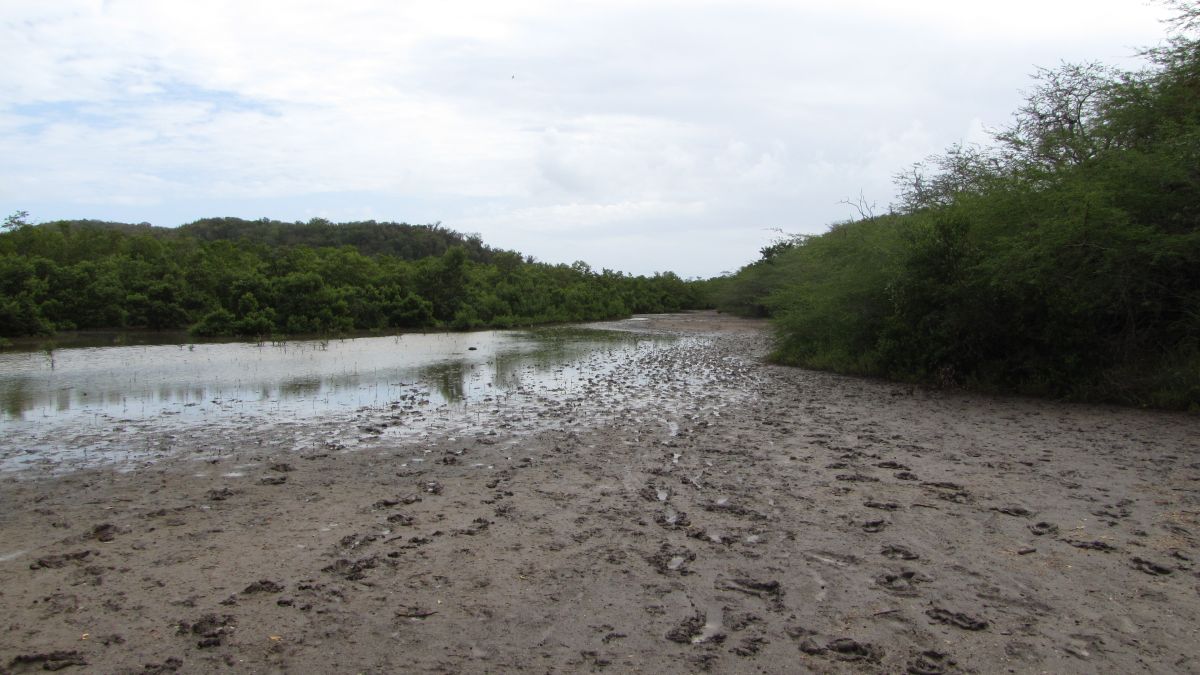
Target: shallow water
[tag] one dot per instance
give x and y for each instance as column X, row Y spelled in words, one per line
column 293, row 378
column 83, row 398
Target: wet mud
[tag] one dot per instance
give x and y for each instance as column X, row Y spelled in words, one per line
column 690, row 510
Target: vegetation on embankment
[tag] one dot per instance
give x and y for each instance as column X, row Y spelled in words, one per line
column 258, row 278
column 1063, row 260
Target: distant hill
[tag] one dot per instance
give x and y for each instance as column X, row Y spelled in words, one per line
column 370, row 238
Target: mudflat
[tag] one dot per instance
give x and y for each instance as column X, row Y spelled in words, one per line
column 693, row 509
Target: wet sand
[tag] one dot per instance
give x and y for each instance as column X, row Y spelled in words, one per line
column 738, row 517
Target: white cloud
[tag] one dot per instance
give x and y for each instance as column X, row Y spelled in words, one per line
column 572, row 129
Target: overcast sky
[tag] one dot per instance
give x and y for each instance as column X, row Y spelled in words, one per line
column 640, row 136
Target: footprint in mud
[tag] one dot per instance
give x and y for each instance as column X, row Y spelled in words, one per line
column 771, row 591
column 951, row 492
column 930, row 662
column 1149, row 566
column 843, row 649
column 57, row 561
column 692, row 631
column 856, row 478
column 1012, row 510
column 1095, row 545
column 104, row 532
column 210, row 628
column 672, row 561
column 222, row 494
column 1114, row 512
column 956, row 619
column 672, row 519
column 898, row 552
column 352, row 571
column 872, row 526
column 1042, row 528
column 903, row 583
column 263, row 586
column 749, row 646
column 171, row 665
column 414, row 613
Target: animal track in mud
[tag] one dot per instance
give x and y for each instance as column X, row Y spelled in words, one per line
column 951, row 492
column 673, row 520
column 1149, row 566
column 672, row 560
column 56, row 660
column 352, row 571
column 1017, row 511
column 930, row 662
column 903, row 583
column 856, row 478
column 956, row 619
column 690, row 629
column 843, row 649
column 1095, row 545
column 1039, row 529
column 57, row 561
column 898, row 552
column 263, row 586
column 749, row 646
column 210, row 628
column 771, row 591
column 723, row 505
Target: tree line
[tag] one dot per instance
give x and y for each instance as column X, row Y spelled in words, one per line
column 1063, row 259
column 232, row 277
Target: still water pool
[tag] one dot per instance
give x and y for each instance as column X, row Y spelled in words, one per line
column 64, row 385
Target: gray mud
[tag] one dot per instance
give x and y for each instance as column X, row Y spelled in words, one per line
column 691, row 510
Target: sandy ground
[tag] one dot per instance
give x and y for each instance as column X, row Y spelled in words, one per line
column 774, row 520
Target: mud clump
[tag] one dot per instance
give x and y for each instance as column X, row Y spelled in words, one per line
column 210, row 628
column 51, row 661
column 264, row 586
column 956, row 619
column 61, row 560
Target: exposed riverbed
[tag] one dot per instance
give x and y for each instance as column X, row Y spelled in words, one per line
column 675, row 506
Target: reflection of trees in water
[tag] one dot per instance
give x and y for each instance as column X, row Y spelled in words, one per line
column 300, row 386
column 16, row 398
column 448, row 378
column 183, row 393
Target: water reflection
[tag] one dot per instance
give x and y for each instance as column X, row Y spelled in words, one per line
column 57, row 386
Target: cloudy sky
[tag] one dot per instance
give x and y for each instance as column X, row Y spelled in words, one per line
column 642, row 136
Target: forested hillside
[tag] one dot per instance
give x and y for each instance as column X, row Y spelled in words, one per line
column 258, row 278
column 1061, row 260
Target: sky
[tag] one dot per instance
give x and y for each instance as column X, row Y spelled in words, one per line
column 641, row 136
